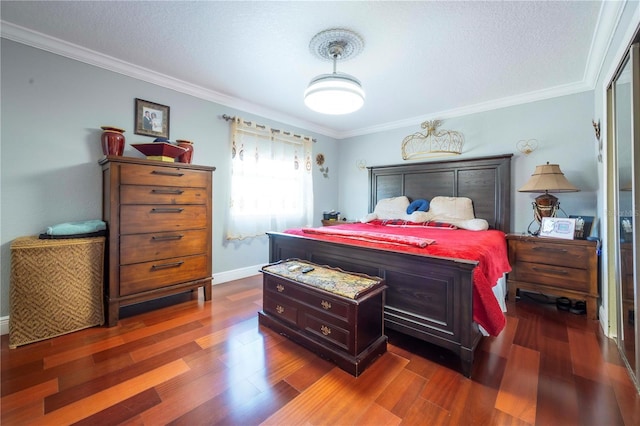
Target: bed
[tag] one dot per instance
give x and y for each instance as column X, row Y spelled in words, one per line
column 430, row 297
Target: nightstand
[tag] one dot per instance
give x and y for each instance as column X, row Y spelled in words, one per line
column 555, row 266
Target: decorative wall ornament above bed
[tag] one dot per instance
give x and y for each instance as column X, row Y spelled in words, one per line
column 432, row 143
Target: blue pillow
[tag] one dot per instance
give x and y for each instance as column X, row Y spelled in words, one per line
column 418, row 206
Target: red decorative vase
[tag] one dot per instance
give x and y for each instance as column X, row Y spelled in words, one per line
column 112, row 140
column 186, row 157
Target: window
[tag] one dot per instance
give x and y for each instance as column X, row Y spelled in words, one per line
column 271, row 180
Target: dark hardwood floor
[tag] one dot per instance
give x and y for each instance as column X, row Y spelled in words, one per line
column 195, row 363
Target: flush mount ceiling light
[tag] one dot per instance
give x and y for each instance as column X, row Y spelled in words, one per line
column 335, row 93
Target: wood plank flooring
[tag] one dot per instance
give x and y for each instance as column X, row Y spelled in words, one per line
column 210, row 363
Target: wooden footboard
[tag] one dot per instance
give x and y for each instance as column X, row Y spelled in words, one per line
column 427, row 298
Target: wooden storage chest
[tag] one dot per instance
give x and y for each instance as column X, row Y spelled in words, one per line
column 334, row 313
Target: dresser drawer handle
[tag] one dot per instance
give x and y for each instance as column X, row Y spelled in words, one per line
column 280, row 288
column 279, row 309
column 551, row 271
column 166, row 210
column 165, row 173
column 167, row 191
column 326, row 305
column 167, row 237
column 550, row 250
column 325, row 330
column 167, row 265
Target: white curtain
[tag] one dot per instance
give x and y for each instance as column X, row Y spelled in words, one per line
column 271, row 180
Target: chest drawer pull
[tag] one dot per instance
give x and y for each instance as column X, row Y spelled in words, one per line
column 166, row 210
column 165, row 173
column 325, row 330
column 550, row 271
column 167, row 237
column 167, row 265
column 279, row 309
column 325, row 305
column 167, row 191
column 280, row 288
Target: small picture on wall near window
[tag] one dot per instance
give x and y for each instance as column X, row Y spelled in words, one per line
column 583, row 226
column 151, row 119
column 557, row 227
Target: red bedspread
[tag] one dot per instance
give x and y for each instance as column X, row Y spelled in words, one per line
column 489, row 248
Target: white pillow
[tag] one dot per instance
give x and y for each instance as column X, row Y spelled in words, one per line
column 451, row 207
column 392, row 208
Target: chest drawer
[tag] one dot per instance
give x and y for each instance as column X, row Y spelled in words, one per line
column 163, row 176
column 157, row 274
column 553, row 254
column 138, row 219
column 281, row 308
column 138, row 248
column 134, row 194
column 314, row 300
column 326, row 330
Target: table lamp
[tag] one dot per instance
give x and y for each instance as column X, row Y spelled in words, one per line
column 546, row 178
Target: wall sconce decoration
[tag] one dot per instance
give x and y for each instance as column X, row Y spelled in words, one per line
column 320, row 162
column 361, row 164
column 546, row 178
column 527, row 146
column 432, row 143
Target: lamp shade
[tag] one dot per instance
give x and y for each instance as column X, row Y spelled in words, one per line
column 335, row 94
column 548, row 178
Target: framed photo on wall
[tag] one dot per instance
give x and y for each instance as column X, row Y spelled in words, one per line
column 151, row 119
column 558, row 227
column 583, row 226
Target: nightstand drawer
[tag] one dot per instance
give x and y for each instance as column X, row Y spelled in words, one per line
column 553, row 254
column 558, row 276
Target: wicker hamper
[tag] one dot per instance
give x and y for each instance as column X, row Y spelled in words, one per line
column 56, row 287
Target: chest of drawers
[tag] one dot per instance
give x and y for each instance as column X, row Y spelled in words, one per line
column 336, row 314
column 159, row 218
column 555, row 266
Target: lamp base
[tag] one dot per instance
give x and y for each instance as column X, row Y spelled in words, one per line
column 546, row 205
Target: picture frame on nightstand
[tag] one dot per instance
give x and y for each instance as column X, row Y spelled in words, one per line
column 558, row 227
column 583, row 226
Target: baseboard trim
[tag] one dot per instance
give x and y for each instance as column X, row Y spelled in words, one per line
column 219, row 278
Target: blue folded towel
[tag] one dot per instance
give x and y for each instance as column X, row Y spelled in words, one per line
column 77, row 228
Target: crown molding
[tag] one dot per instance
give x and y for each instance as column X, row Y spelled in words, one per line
column 56, row 46
column 608, row 20
column 539, row 95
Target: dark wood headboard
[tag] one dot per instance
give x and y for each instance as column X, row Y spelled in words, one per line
column 486, row 180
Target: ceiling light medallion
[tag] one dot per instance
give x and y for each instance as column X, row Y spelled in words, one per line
column 335, row 93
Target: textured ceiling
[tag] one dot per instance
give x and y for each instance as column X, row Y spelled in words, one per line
column 421, row 60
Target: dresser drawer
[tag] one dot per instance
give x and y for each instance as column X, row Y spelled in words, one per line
column 326, row 330
column 139, row 219
column 133, row 194
column 281, row 308
column 553, row 254
column 310, row 298
column 559, row 276
column 163, row 176
column 138, row 248
column 153, row 275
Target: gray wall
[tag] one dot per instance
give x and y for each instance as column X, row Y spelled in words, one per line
column 52, row 109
